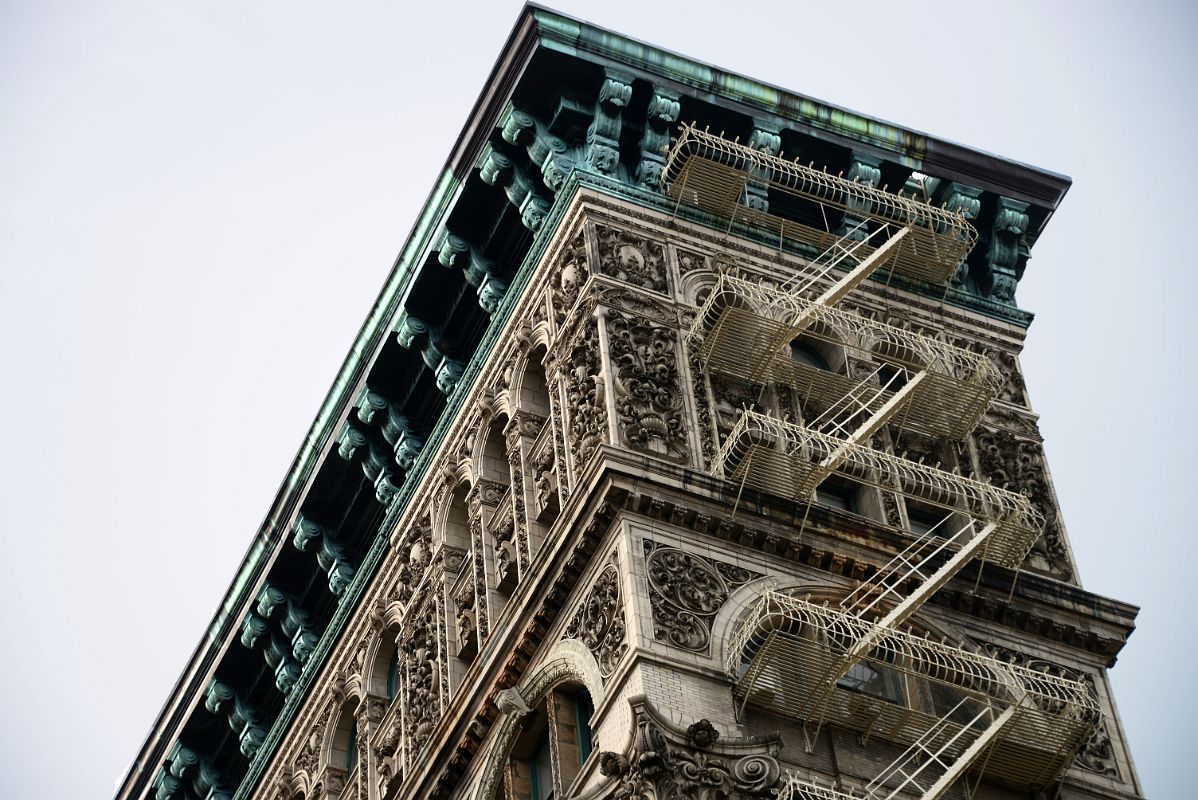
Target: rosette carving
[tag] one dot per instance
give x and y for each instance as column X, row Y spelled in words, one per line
column 686, row 592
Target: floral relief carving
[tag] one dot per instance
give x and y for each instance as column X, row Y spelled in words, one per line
column 686, row 592
column 568, row 279
column 467, row 623
column 1019, row 463
column 706, row 429
column 422, row 687
column 689, row 262
column 648, row 392
column 585, row 396
column 479, row 586
column 545, row 481
column 599, row 621
column 1012, row 390
column 504, row 542
column 672, row 764
column 633, row 259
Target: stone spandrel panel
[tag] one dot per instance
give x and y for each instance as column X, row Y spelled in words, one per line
column 618, row 352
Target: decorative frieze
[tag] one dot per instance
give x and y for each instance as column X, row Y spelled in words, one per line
column 632, row 258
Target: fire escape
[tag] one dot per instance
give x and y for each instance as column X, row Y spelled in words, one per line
column 858, row 664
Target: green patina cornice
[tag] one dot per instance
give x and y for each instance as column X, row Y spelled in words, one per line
column 911, row 149
column 580, row 39
column 374, row 557
column 274, row 531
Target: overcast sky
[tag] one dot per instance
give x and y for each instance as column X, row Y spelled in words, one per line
column 200, row 201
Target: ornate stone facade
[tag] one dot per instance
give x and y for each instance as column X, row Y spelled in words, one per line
column 539, row 561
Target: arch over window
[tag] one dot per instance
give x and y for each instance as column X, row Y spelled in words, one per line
column 534, row 389
column 383, row 677
column 566, row 688
column 343, row 749
column 456, row 528
column 494, row 466
column 553, row 744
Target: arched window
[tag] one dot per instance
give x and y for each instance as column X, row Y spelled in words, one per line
column 344, row 752
column 553, row 746
column 351, row 752
column 392, row 675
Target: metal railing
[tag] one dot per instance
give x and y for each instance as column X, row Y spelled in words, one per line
column 715, row 175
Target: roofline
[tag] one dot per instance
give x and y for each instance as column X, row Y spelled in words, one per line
column 922, row 151
column 537, row 25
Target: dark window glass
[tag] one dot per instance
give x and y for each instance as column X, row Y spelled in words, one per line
column 922, row 522
column 958, row 706
column 892, row 378
column 582, row 724
column 836, row 497
column 808, row 355
column 541, row 771
column 351, row 749
column 874, row 680
column 393, row 675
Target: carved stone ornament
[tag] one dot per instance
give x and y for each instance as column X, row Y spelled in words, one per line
column 1012, row 390
column 599, row 621
column 689, row 262
column 421, row 693
column 585, row 396
column 648, row 392
column 569, row 277
column 633, row 259
column 668, row 763
column 686, row 592
column 1019, row 463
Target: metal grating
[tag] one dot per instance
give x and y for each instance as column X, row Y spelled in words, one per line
column 790, row 656
column 787, row 459
column 744, row 328
column 713, row 174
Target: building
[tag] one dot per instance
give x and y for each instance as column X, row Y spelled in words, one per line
column 685, row 455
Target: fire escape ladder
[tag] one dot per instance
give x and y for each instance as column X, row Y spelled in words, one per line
column 912, row 566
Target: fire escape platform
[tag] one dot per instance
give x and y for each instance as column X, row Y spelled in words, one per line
column 799, row 663
column 745, row 329
column 787, row 459
column 709, row 173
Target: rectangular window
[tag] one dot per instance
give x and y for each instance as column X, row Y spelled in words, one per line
column 921, row 521
column 875, row 680
column 840, row 497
